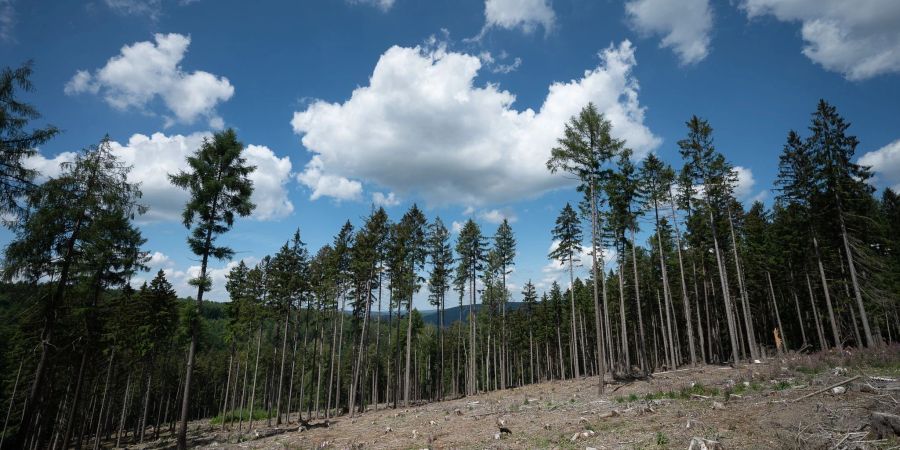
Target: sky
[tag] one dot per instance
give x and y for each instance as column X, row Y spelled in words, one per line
column 450, row 104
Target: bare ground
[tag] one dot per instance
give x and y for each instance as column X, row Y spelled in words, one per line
column 748, row 406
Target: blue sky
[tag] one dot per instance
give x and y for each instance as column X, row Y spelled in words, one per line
column 450, row 104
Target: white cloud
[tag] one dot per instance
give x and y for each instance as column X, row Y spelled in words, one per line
column 180, row 279
column 495, row 65
column 745, row 182
column 684, row 25
column 384, row 5
column 146, row 70
column 526, row 15
column 456, row 227
column 423, row 126
column 386, row 200
column 859, row 39
column 154, row 157
column 496, row 216
column 159, row 260
column 885, row 162
column 322, row 184
column 558, row 271
column 270, row 193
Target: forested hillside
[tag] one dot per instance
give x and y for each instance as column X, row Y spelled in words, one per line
column 681, row 274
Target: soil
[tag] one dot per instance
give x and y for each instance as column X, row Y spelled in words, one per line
column 748, row 406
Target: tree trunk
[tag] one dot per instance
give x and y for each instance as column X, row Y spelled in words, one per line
column 684, row 290
column 745, row 304
column 834, row 327
column 255, row 373
column 287, row 316
column 856, row 291
column 595, row 248
column 777, row 314
column 812, row 300
column 573, row 337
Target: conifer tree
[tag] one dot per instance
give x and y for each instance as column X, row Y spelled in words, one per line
column 16, row 142
column 505, row 248
column 219, row 187
column 568, row 233
column 587, row 144
column 65, row 235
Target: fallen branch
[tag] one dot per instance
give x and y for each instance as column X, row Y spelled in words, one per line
column 827, row 388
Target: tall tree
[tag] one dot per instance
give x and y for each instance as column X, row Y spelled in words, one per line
column 587, row 144
column 842, row 181
column 219, row 187
column 700, row 154
column 441, row 257
column 470, row 250
column 567, row 233
column 65, row 229
column 505, row 248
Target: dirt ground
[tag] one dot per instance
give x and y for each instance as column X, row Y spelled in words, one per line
column 752, row 406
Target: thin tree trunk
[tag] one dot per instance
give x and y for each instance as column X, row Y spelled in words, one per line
column 745, row 304
column 597, row 250
column 255, row 373
column 834, row 327
column 856, row 291
column 684, row 290
column 812, row 300
column 777, row 314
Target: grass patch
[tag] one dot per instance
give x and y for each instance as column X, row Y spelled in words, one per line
column 782, row 385
column 661, row 439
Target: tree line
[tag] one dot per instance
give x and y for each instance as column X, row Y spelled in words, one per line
column 678, row 273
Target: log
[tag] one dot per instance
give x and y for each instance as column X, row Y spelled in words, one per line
column 827, row 388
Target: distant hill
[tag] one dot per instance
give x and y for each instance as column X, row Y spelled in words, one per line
column 451, row 315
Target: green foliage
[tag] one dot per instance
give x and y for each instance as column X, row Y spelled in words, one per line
column 16, row 142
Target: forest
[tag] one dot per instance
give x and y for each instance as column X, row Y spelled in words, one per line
column 681, row 274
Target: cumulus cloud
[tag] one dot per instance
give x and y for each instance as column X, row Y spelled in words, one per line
column 525, row 15
column 423, row 125
column 684, row 25
column 146, row 70
column 885, row 162
column 327, row 185
column 386, row 200
column 154, row 157
column 745, row 182
column 859, row 39
column 496, row 216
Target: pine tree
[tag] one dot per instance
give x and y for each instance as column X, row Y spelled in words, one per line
column 219, row 189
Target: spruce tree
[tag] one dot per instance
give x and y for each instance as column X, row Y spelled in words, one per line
column 17, row 143
column 568, row 233
column 219, row 189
